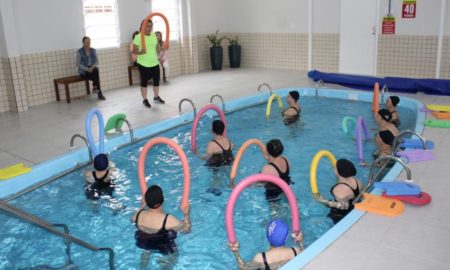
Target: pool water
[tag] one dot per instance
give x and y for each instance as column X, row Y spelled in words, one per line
column 107, row 224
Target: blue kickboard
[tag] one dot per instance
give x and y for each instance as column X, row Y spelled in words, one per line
column 399, row 188
column 416, row 144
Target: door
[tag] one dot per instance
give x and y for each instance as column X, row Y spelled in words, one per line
column 357, row 53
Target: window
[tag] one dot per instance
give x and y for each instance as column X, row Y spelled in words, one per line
column 101, row 22
column 170, row 9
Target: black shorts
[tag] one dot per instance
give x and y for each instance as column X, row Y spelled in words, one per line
column 148, row 73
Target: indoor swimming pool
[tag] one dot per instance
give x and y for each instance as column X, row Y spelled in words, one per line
column 107, row 224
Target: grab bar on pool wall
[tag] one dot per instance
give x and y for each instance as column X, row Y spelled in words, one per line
column 221, row 100
column 372, row 171
column 190, row 101
column 72, row 141
column 396, row 143
column 319, row 85
column 34, row 220
column 384, row 90
column 267, row 85
column 130, row 128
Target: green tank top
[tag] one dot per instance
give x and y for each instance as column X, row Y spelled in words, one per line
column 150, row 58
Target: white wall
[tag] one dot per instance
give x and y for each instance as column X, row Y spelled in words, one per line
column 208, row 16
column 426, row 22
column 3, row 50
column 447, row 19
column 326, row 16
column 131, row 14
column 48, row 25
column 266, row 16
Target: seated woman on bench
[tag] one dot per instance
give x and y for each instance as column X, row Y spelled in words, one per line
column 87, row 63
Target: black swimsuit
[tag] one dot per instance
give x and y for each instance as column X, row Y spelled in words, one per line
column 99, row 188
column 267, row 267
column 396, row 122
column 337, row 214
column 162, row 241
column 291, row 119
column 273, row 191
column 221, row 159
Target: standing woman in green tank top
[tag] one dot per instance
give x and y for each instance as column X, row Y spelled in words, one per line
column 148, row 64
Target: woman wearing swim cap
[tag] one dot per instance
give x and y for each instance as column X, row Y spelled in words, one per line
column 383, row 118
column 278, row 166
column 344, row 191
column 100, row 181
column 384, row 140
column 156, row 230
column 292, row 113
column 219, row 151
column 277, row 255
column 391, row 103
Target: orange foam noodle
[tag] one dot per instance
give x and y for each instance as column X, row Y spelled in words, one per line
column 144, row 24
column 381, row 205
column 239, row 154
column 441, row 115
column 376, row 98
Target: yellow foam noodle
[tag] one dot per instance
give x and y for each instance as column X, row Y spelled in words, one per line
column 269, row 103
column 13, row 171
column 381, row 205
column 439, row 108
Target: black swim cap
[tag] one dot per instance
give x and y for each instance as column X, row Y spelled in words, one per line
column 345, row 168
column 394, row 100
column 294, row 94
column 386, row 136
column 154, row 196
column 101, row 162
column 385, row 114
column 218, row 127
column 274, row 147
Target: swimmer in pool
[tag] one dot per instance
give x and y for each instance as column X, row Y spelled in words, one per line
column 219, row 151
column 391, row 104
column 292, row 113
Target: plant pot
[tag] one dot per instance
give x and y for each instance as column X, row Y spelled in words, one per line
column 216, row 55
column 234, row 53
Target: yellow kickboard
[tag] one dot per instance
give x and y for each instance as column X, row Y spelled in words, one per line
column 439, row 108
column 13, row 171
column 381, row 205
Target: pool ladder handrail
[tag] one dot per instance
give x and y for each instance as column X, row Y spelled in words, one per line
column 191, row 102
column 34, row 220
column 268, row 86
column 211, row 99
column 130, row 127
column 319, row 85
column 372, row 177
column 384, row 90
column 72, row 141
column 396, row 144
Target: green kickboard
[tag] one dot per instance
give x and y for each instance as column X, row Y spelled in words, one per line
column 437, row 123
column 111, row 124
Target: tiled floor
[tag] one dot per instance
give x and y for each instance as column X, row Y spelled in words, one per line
column 418, row 239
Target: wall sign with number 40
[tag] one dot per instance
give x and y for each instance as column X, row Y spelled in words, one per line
column 409, row 9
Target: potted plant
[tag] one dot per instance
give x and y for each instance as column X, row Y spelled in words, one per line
column 216, row 51
column 234, row 52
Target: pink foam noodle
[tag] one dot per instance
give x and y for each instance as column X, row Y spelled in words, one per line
column 184, row 162
column 197, row 119
column 229, row 212
column 360, row 128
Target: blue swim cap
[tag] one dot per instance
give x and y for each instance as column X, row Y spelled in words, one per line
column 101, row 162
column 277, row 232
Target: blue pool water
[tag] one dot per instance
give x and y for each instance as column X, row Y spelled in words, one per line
column 63, row 201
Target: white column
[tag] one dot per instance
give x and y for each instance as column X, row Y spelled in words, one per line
column 441, row 39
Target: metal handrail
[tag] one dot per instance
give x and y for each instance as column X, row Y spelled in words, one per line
column 372, row 177
column 72, row 141
column 319, row 85
column 384, row 90
column 190, row 101
column 268, row 86
column 51, row 229
column 130, row 128
column 221, row 100
column 396, row 143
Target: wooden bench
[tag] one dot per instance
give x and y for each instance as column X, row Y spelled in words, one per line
column 66, row 81
column 130, row 74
